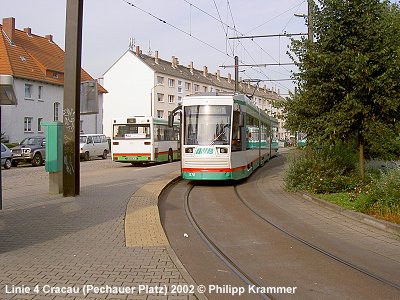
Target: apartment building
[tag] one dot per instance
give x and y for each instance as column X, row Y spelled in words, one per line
column 37, row 66
column 140, row 84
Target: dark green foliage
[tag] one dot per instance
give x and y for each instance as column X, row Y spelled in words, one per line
column 348, row 79
column 324, row 170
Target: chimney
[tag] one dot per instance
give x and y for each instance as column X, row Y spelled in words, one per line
column 173, row 62
column 28, row 31
column 156, row 57
column 205, row 71
column 49, row 37
column 229, row 77
column 9, row 28
column 191, row 67
column 137, row 51
column 218, row 75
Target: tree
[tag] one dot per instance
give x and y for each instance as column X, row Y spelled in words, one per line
column 349, row 78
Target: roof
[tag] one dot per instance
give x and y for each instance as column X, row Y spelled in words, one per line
column 33, row 57
column 192, row 74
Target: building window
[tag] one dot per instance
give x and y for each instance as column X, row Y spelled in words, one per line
column 196, row 87
column 28, row 124
column 171, row 82
column 56, row 111
column 39, row 125
column 160, row 114
column 160, row 97
column 204, row 89
column 187, row 86
column 28, row 91
column 179, row 99
column 160, row 80
column 171, row 98
column 40, row 92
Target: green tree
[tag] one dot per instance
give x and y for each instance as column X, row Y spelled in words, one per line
column 349, row 77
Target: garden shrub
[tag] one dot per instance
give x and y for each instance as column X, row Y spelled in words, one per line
column 322, row 170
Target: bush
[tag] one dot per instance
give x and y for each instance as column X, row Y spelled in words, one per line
column 323, row 170
column 384, row 196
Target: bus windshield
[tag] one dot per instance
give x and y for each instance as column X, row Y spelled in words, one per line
column 131, row 131
column 207, row 125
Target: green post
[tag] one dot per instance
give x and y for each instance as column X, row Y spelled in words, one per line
column 54, row 155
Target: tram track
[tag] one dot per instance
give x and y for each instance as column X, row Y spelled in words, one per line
column 313, row 246
column 217, row 251
column 262, row 252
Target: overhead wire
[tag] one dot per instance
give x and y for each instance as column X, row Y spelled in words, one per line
column 175, row 27
column 204, row 42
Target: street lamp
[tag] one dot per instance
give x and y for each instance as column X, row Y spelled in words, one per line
column 152, row 99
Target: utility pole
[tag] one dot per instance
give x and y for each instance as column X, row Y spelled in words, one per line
column 310, row 21
column 236, row 73
column 71, row 111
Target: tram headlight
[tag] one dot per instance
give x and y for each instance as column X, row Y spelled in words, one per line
column 189, row 150
column 222, row 150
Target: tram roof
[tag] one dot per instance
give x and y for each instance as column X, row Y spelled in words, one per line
column 240, row 99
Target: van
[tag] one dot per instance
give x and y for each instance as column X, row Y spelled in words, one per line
column 93, row 145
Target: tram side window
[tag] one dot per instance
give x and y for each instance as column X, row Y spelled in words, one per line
column 236, row 136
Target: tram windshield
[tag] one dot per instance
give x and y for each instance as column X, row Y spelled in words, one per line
column 207, row 125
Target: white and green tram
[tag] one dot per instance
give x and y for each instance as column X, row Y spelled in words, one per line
column 224, row 137
column 141, row 139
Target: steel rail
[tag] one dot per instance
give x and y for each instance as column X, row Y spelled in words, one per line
column 324, row 252
column 217, row 251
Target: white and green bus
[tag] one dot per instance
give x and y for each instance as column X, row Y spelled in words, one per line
column 142, row 139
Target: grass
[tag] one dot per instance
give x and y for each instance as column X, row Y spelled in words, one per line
column 358, row 202
column 332, row 175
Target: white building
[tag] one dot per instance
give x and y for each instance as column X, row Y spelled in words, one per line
column 144, row 85
column 37, row 65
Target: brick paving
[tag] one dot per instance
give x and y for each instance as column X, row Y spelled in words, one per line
column 110, row 237
column 55, row 244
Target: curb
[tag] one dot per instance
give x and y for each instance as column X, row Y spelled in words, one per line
column 142, row 219
column 379, row 224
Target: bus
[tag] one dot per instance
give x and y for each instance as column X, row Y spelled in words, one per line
column 141, row 139
column 224, row 137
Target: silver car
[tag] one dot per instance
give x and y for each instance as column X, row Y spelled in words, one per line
column 6, row 156
column 31, row 150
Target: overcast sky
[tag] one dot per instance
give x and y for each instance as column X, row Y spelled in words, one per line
column 108, row 26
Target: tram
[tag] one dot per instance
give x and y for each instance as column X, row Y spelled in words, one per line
column 224, row 136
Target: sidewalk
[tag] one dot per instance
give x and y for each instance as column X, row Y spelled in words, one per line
column 55, row 248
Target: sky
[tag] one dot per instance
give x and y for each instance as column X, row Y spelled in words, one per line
column 193, row 30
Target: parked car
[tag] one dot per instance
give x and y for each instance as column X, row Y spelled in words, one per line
column 93, row 145
column 6, row 156
column 31, row 150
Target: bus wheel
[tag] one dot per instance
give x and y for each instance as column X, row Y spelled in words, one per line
column 86, row 156
column 170, row 156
